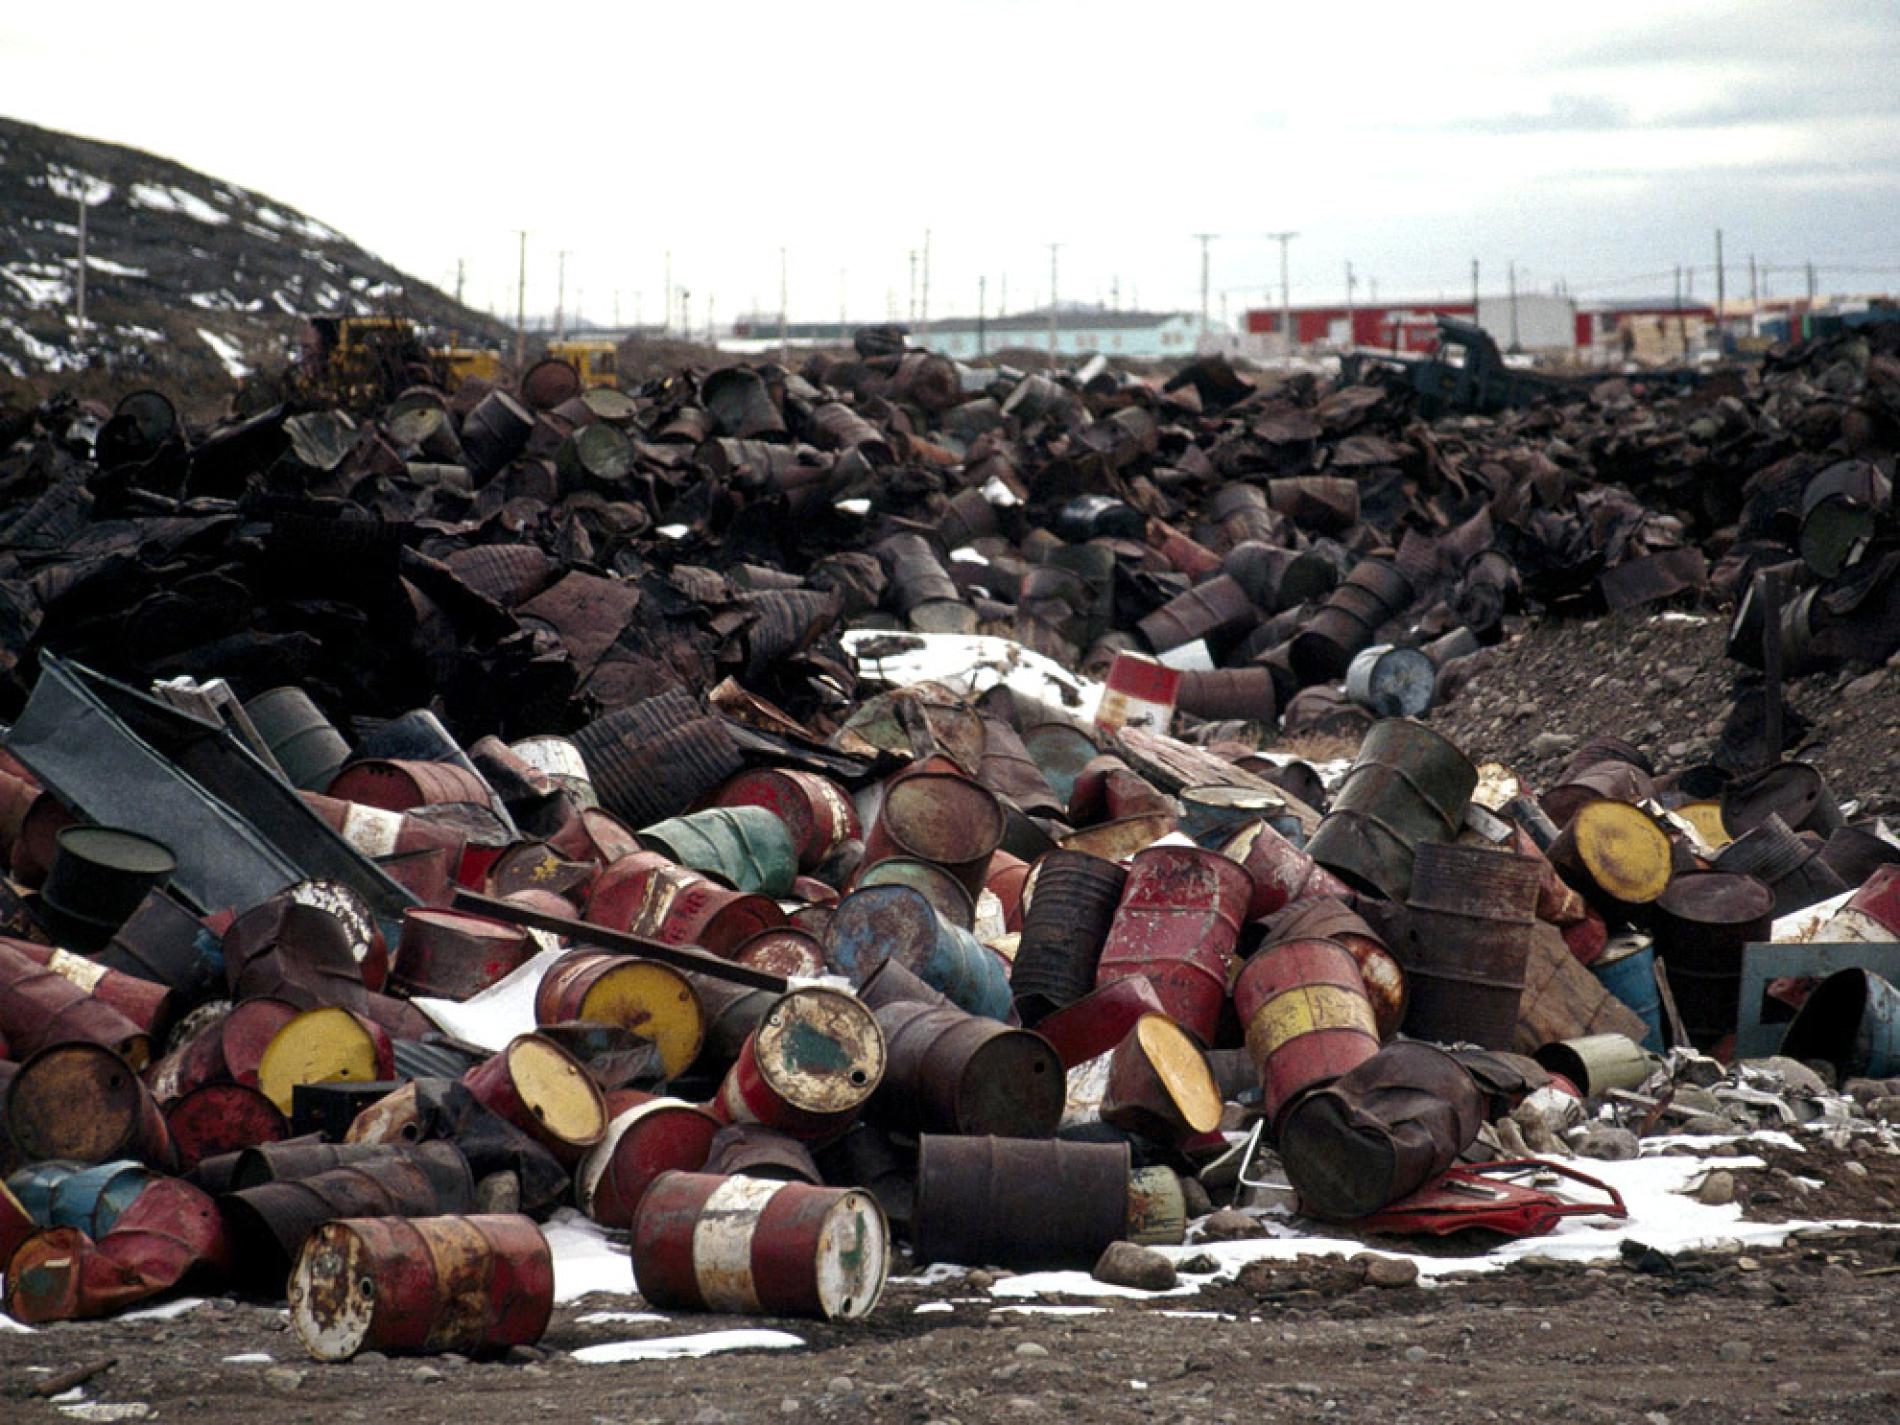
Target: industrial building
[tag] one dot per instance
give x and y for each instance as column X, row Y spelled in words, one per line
column 1080, row 330
column 1532, row 322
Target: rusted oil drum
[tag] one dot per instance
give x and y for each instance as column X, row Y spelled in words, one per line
column 1872, row 914
column 1217, row 611
column 951, row 1072
column 303, row 1158
column 1852, row 1021
column 751, row 1150
column 474, row 1285
column 758, row 1247
column 1380, row 1131
column 940, row 817
column 815, row 809
column 810, row 1066
column 168, row 1231
column 677, row 906
column 658, row 1136
column 302, row 740
column 1701, row 925
column 1159, row 1085
column 387, row 835
column 166, row 944
column 1060, row 751
column 495, row 432
column 269, row 1223
column 61, row 1194
column 1391, row 682
column 943, row 890
column 1582, row 783
column 731, row 1013
column 1615, row 854
column 651, row 999
column 746, row 846
column 16, row 1223
column 321, row 1046
column 645, row 773
column 891, row 983
column 1466, row 944
column 395, row 784
column 1783, row 861
column 1408, row 785
column 537, row 1086
column 450, row 954
column 150, row 1006
column 1071, row 906
column 1018, row 1203
column 1280, row 871
column 1210, row 815
column 227, row 1049
column 1330, row 919
column 785, row 951
column 84, row 1102
column 595, row 835
column 222, row 1118
column 1100, row 1020
column 537, row 866
column 1307, row 1017
column 1176, row 927
column 560, row 761
column 899, row 923
column 1794, row 791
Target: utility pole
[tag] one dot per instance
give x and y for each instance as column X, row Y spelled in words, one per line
column 982, row 294
column 1054, row 322
column 1474, row 289
column 1286, row 290
column 461, row 266
column 911, row 310
column 784, row 327
column 666, row 307
column 1810, row 267
column 1510, row 277
column 1204, row 239
column 79, row 282
column 1351, row 282
column 560, row 298
column 1115, row 292
column 686, row 322
column 1721, row 282
column 1682, row 324
column 923, row 303
column 844, row 322
column 1002, row 302
column 521, row 301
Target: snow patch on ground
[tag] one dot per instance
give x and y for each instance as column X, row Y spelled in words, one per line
column 39, row 287
column 973, row 663
column 674, row 1348
column 227, row 352
column 584, row 1260
column 177, row 200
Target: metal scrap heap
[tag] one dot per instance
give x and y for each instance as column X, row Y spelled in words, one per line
column 791, row 817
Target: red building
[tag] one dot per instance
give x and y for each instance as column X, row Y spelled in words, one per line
column 1408, row 326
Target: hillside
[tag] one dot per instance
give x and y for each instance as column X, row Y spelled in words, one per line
column 188, row 278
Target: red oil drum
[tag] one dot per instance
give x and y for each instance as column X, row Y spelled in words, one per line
column 424, row 1285
column 810, row 1066
column 1176, row 926
column 1307, row 1016
column 658, row 1135
column 759, row 1247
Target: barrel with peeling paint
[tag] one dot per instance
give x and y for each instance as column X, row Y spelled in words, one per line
column 899, row 923
column 1176, row 926
column 747, row 846
column 84, row 1102
column 541, row 1089
column 1280, row 871
column 402, row 1286
column 813, row 1062
column 1159, row 1085
column 659, row 1136
column 451, row 954
column 942, row 817
column 754, row 1246
column 815, row 809
column 651, row 999
column 1307, row 1016
column 1330, row 919
column 1408, row 785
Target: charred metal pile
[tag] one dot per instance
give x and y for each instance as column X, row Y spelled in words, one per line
column 421, row 823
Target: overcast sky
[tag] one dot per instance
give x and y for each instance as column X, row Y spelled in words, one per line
column 1599, row 145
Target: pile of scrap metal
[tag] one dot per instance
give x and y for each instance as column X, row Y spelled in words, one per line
column 414, row 829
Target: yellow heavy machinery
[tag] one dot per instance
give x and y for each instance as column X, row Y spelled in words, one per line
column 458, row 363
column 595, row 360
column 363, row 358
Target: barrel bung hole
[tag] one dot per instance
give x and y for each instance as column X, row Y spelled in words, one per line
column 859, row 1077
